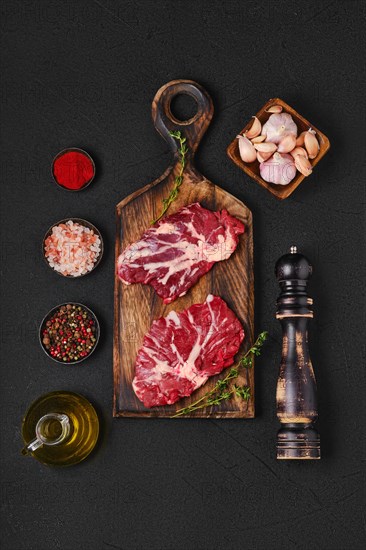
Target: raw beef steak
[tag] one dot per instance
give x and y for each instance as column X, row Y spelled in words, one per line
column 176, row 251
column 181, row 351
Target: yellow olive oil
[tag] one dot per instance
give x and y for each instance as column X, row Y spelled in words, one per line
column 51, row 429
column 80, row 437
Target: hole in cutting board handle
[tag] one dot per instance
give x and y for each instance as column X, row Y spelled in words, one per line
column 165, row 122
column 183, row 108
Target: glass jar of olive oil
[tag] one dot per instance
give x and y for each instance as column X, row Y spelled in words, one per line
column 60, row 428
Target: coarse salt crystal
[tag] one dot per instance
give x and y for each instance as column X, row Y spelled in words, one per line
column 72, row 249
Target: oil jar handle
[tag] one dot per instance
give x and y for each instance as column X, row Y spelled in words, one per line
column 33, row 446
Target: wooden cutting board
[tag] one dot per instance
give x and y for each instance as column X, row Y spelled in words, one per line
column 136, row 306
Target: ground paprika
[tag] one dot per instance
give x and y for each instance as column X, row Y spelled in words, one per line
column 73, row 169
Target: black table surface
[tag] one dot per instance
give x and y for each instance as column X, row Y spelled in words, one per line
column 83, row 74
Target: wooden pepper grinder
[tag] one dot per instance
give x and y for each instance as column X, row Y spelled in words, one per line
column 296, row 386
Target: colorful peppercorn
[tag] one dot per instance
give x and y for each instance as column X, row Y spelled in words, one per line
column 77, row 337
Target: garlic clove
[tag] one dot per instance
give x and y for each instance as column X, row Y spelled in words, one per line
column 262, row 157
column 258, row 139
column 287, row 143
column 274, row 109
column 266, row 147
column 246, row 149
column 311, row 144
column 303, row 165
column 255, row 129
column 300, row 140
column 299, row 151
column 280, row 169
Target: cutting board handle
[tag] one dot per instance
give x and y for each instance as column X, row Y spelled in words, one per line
column 165, row 122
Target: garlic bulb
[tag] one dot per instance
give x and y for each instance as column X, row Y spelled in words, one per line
column 279, row 169
column 246, row 149
column 278, row 126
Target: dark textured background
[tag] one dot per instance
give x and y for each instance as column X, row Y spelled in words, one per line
column 83, row 73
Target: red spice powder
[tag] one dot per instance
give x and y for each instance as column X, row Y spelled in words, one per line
column 73, row 170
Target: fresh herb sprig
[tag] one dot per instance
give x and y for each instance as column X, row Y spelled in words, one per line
column 178, row 180
column 222, row 390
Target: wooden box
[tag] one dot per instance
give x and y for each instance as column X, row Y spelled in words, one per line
column 252, row 169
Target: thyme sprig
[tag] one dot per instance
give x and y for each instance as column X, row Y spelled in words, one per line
column 178, row 180
column 222, row 390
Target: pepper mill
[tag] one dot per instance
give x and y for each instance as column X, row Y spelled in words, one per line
column 296, row 385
